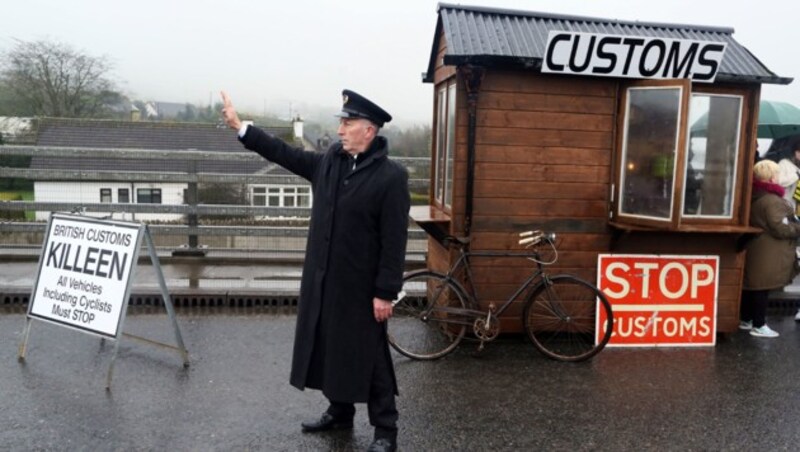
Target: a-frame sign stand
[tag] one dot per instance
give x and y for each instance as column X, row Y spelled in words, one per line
column 86, row 270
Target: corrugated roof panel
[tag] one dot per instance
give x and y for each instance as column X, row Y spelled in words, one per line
column 516, row 36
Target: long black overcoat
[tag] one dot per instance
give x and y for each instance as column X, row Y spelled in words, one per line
column 355, row 251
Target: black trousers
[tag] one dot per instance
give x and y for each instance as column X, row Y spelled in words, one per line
column 754, row 307
column 381, row 405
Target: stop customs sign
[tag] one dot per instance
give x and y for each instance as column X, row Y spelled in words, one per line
column 660, row 299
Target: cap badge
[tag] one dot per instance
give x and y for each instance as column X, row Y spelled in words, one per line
column 345, row 99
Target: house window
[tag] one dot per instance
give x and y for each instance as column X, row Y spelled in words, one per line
column 105, row 195
column 445, row 144
column 123, row 195
column 281, row 196
column 680, row 156
column 148, row 195
column 258, row 196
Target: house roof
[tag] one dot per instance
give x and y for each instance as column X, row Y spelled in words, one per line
column 494, row 37
column 94, row 133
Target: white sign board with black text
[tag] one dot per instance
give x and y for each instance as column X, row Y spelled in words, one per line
column 85, row 272
column 645, row 57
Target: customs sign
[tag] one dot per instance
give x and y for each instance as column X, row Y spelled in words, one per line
column 84, row 273
column 660, row 299
column 646, row 57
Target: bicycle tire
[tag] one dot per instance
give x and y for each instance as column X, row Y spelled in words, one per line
column 560, row 318
column 422, row 337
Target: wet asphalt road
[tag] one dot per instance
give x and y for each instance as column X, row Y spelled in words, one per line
column 742, row 394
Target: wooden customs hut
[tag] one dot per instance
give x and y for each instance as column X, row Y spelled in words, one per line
column 622, row 137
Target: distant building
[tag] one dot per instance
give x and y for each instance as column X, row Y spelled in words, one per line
column 177, row 137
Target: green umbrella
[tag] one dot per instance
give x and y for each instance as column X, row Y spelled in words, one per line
column 775, row 120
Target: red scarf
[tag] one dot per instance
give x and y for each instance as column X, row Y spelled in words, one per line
column 768, row 187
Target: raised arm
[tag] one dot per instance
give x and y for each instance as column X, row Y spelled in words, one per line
column 296, row 160
column 229, row 114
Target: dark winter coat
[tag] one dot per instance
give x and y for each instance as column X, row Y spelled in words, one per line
column 770, row 261
column 355, row 252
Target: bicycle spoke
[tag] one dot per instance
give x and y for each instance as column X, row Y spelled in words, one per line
column 424, row 324
column 561, row 319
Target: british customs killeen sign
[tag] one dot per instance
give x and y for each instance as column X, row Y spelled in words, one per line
column 84, row 273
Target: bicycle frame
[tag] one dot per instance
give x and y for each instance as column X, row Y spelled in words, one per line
column 472, row 297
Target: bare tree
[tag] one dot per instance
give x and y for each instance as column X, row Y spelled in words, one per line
column 47, row 78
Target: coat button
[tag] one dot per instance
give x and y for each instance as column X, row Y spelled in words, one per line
column 346, row 181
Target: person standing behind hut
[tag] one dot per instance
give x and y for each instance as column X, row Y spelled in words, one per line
column 770, row 261
column 788, row 178
column 789, row 175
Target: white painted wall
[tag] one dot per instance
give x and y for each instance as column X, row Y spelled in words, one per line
column 89, row 192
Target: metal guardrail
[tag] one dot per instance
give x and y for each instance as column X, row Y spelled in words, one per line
column 192, row 210
column 163, row 229
column 178, row 177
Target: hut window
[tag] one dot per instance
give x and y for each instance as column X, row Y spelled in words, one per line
column 711, row 165
column 445, row 144
column 680, row 156
column 649, row 152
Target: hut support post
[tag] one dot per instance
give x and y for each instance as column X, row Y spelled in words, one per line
column 472, row 76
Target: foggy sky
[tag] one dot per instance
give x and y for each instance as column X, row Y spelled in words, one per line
column 296, row 56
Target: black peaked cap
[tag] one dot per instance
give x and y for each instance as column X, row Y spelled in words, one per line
column 355, row 105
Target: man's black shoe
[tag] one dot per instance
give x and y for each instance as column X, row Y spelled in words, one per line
column 382, row 445
column 326, row 422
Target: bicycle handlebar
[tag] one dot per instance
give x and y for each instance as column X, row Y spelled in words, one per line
column 532, row 238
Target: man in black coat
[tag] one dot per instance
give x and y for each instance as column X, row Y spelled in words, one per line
column 353, row 267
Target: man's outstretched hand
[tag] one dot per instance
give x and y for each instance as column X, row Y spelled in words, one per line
column 229, row 113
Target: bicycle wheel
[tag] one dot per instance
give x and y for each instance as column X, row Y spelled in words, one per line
column 422, row 324
column 561, row 319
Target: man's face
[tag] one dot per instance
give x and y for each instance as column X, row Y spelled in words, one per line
column 356, row 134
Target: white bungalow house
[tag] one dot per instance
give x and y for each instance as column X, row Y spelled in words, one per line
column 177, row 137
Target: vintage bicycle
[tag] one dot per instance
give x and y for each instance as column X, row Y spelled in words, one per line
column 561, row 316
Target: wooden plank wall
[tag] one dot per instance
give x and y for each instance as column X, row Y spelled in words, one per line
column 543, row 161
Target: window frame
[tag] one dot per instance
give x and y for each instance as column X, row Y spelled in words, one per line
column 281, row 193
column 737, row 191
column 678, row 220
column 673, row 221
column 127, row 192
column 153, row 192
column 445, row 145
column 107, row 194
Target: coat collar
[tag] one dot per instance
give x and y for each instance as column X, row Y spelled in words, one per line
column 377, row 150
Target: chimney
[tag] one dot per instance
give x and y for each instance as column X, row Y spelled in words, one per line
column 297, row 123
column 136, row 115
